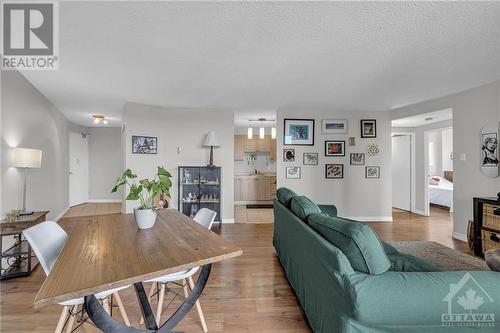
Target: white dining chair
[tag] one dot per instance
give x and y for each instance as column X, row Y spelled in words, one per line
column 206, row 218
column 47, row 240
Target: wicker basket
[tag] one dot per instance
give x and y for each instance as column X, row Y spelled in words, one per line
column 490, row 220
column 491, row 240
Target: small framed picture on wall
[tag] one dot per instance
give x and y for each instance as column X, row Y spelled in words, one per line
column 334, row 171
column 144, row 144
column 299, row 132
column 368, row 128
column 334, row 148
column 288, row 155
column 334, row 126
column 357, row 158
column 292, row 172
column 372, row 172
column 310, row 159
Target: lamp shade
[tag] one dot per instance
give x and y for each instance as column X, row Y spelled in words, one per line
column 26, row 158
column 211, row 140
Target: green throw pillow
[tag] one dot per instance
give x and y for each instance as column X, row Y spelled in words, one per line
column 285, row 196
column 359, row 243
column 303, row 207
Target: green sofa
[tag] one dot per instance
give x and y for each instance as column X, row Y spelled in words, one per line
column 389, row 291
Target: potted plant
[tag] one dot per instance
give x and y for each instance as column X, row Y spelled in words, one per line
column 145, row 191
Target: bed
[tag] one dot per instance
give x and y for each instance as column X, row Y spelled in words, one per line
column 442, row 193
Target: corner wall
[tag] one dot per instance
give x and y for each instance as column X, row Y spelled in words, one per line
column 355, row 196
column 184, row 128
column 472, row 109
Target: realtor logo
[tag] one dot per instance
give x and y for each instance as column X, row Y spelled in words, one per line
column 29, row 38
column 468, row 303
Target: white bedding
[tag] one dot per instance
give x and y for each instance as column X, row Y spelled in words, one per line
column 442, row 194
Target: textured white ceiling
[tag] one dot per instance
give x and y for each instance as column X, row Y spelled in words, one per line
column 268, row 55
column 424, row 118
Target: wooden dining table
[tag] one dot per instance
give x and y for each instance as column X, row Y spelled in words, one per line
column 109, row 251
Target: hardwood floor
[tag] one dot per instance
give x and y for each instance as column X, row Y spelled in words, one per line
column 247, row 294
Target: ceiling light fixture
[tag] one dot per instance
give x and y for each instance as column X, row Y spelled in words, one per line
column 98, row 118
column 261, row 129
column 250, row 130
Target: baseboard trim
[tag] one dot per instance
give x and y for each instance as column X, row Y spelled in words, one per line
column 58, row 217
column 227, row 221
column 104, row 201
column 370, row 218
column 459, row 236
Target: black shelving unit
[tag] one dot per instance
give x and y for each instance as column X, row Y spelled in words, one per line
column 200, row 187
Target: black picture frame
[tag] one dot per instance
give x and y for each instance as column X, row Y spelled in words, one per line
column 341, row 142
column 308, row 163
column 368, row 122
column 288, row 155
column 136, row 149
column 341, row 176
column 377, row 176
column 351, row 161
column 291, row 142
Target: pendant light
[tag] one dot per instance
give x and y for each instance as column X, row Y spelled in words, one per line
column 273, row 131
column 261, row 129
column 250, row 130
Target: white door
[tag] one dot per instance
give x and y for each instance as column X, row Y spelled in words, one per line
column 401, row 172
column 78, row 169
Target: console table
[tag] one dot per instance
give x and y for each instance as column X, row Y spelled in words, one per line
column 18, row 259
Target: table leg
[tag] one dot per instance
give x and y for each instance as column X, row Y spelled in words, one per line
column 107, row 324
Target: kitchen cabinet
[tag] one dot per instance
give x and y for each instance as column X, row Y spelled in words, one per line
column 272, row 154
column 244, row 145
column 251, row 145
column 248, row 189
column 262, row 188
column 239, row 147
column 254, row 188
column 264, row 145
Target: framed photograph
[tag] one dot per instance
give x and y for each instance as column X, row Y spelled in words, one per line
column 144, row 144
column 372, row 172
column 368, row 128
column 489, row 147
column 288, row 155
column 334, row 148
column 292, row 172
column 310, row 158
column 352, row 141
column 357, row 158
column 299, row 132
column 334, row 171
column 334, row 126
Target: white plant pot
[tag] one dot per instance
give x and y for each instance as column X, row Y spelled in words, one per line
column 145, row 218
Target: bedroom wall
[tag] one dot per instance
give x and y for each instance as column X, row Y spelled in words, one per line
column 472, row 109
column 355, row 196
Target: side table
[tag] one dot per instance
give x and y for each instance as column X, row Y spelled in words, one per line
column 18, row 259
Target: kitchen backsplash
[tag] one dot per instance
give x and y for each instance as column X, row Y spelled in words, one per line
column 261, row 163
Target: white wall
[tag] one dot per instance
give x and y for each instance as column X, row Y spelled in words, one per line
column 435, row 152
column 472, row 109
column 447, row 149
column 354, row 196
column 105, row 163
column 184, row 128
column 30, row 120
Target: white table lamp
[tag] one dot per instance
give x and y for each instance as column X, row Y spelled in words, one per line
column 27, row 159
column 211, row 141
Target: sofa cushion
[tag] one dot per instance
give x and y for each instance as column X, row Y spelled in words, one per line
column 303, row 207
column 402, row 262
column 358, row 242
column 285, row 196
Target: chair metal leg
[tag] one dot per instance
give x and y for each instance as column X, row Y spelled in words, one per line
column 160, row 303
column 121, row 308
column 151, row 292
column 62, row 319
column 198, row 307
column 72, row 313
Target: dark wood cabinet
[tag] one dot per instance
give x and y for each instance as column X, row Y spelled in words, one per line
column 486, row 225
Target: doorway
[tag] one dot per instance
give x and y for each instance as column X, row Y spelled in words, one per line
column 78, row 168
column 402, row 171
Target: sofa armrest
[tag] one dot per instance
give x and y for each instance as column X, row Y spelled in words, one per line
column 329, row 210
column 420, row 298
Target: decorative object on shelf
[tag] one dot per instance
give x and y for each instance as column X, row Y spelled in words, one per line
column 334, row 171
column 211, row 141
column 144, row 144
column 372, row 172
column 357, row 158
column 299, row 132
column 335, row 148
column 489, row 150
column 199, row 187
column 373, row 150
column 26, row 159
column 352, row 141
column 334, row 126
column 145, row 191
column 288, row 155
column 368, row 128
column 161, row 201
column 292, row 172
column 310, row 159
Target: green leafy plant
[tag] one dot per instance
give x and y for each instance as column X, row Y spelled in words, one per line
column 145, row 190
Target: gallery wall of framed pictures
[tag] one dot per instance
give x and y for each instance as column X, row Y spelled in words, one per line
column 340, row 141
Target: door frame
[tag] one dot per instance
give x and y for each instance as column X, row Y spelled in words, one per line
column 87, row 196
column 412, row 167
